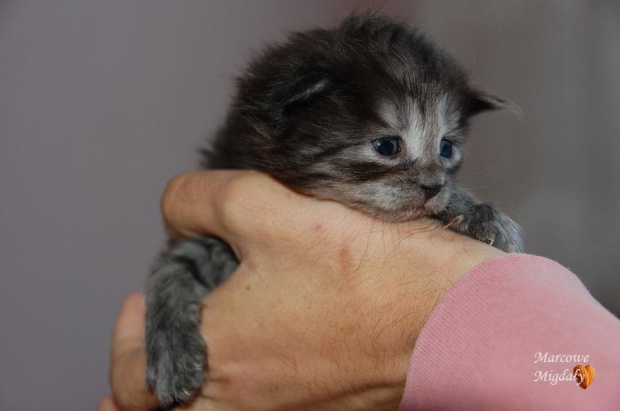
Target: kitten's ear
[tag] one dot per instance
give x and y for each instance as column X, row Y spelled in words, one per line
column 481, row 101
column 296, row 95
column 306, row 88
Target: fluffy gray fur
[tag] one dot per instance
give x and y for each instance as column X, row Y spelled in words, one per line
column 317, row 112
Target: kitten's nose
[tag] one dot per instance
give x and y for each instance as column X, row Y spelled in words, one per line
column 431, row 191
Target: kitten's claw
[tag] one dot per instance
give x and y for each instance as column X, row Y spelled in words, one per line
column 491, row 240
column 486, row 223
column 455, row 222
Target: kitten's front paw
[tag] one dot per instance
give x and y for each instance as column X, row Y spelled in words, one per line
column 486, row 223
column 176, row 362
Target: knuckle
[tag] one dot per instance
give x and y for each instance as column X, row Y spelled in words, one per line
column 254, row 205
column 239, row 203
column 234, row 190
column 175, row 190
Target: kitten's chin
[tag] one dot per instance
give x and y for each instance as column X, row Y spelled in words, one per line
column 411, row 212
column 400, row 215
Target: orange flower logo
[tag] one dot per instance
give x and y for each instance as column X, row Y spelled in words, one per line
column 583, row 375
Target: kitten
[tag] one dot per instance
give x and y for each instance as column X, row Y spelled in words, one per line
column 370, row 114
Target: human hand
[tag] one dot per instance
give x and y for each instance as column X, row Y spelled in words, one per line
column 324, row 309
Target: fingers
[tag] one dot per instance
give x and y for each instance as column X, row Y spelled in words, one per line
column 108, row 404
column 128, row 360
column 130, row 324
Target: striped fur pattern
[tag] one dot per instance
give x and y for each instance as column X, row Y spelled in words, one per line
column 307, row 112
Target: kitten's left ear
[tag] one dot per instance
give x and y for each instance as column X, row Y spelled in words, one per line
column 481, row 101
column 306, row 88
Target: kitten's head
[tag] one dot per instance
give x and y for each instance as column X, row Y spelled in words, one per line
column 370, row 114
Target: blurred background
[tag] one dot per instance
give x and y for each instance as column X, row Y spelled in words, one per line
column 102, row 102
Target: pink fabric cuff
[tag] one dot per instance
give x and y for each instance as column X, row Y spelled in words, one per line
column 507, row 336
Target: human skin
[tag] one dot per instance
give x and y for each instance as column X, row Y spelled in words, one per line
column 323, row 311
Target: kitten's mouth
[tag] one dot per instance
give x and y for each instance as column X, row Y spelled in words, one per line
column 411, row 212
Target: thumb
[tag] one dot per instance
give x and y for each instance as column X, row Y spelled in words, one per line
column 236, row 206
column 108, row 404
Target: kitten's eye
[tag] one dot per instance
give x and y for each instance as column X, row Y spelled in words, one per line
column 446, row 148
column 386, row 146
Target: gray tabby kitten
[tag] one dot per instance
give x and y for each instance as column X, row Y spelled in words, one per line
column 370, row 114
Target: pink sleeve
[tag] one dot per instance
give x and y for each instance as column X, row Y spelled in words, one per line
column 507, row 336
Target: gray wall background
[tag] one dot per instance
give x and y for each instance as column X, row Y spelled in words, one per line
column 102, row 102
